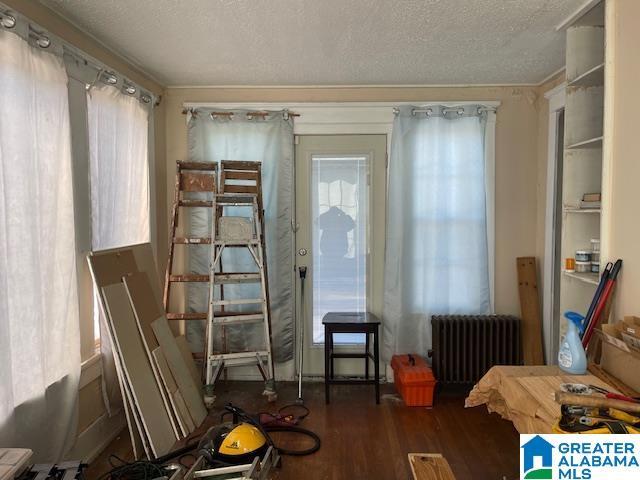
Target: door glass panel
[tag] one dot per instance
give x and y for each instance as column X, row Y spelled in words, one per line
column 339, row 231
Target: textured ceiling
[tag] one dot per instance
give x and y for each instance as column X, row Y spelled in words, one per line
column 330, row 42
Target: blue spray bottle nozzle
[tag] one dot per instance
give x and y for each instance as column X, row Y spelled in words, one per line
column 574, row 317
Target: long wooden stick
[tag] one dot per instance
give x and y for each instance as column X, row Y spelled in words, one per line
column 564, row 398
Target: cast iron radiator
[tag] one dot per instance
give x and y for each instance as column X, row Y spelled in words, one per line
column 466, row 346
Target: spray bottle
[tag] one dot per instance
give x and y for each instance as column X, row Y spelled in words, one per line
column 572, row 357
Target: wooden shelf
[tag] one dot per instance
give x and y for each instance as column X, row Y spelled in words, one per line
column 590, row 278
column 591, row 78
column 581, row 210
column 595, row 142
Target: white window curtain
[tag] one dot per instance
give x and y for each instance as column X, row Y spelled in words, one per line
column 119, row 169
column 268, row 140
column 439, row 247
column 118, row 151
column 39, row 329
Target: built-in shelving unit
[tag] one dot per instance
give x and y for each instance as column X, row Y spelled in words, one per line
column 582, row 163
column 590, row 78
column 590, row 278
column 582, row 210
column 595, row 142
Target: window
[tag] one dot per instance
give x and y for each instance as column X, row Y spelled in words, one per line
column 340, row 231
column 119, row 172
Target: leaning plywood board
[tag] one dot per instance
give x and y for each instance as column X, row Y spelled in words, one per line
column 136, row 366
column 108, row 267
column 147, row 308
column 100, row 266
column 185, row 421
column 530, row 308
column 183, row 345
column 139, row 444
column 188, row 388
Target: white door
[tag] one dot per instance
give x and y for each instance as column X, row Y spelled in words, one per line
column 340, row 215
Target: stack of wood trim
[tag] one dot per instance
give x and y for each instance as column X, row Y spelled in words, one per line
column 159, row 381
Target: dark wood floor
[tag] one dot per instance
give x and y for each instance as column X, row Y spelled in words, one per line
column 362, row 440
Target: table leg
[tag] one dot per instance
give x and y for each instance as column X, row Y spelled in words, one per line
column 376, row 365
column 331, row 352
column 327, row 335
column 366, row 359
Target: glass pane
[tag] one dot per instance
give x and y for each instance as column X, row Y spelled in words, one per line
column 339, row 231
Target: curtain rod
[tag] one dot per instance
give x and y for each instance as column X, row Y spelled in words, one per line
column 458, row 110
column 27, row 29
column 194, row 111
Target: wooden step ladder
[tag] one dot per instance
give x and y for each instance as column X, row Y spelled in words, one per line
column 244, row 232
column 240, row 185
column 191, row 178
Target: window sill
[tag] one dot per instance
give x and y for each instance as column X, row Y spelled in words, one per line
column 90, row 370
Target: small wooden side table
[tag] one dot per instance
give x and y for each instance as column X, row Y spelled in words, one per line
column 347, row 322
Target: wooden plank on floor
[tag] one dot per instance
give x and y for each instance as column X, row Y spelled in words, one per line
column 530, row 307
column 185, row 350
column 189, row 389
column 136, row 366
column 430, row 466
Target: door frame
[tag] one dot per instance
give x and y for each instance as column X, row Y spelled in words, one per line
column 556, row 98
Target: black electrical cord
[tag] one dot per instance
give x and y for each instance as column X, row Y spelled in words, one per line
column 139, row 470
column 298, row 431
column 240, row 414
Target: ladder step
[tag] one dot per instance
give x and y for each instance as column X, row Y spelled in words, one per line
column 185, row 165
column 236, row 319
column 239, row 355
column 236, row 243
column 195, row 203
column 187, row 316
column 240, row 301
column 236, row 278
column 235, row 198
column 192, row 240
column 189, row 278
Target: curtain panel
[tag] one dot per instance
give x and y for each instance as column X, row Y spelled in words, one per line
column 270, row 141
column 118, row 127
column 439, row 241
column 39, row 324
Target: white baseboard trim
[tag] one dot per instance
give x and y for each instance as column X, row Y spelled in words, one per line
column 97, row 436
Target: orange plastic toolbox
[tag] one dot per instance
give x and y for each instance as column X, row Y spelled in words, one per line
column 414, row 380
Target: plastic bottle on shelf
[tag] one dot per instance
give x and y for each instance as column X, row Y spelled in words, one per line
column 572, row 357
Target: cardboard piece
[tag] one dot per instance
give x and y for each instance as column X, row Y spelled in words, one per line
column 619, row 358
column 137, row 369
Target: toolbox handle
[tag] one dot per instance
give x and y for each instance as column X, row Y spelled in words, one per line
column 412, row 360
